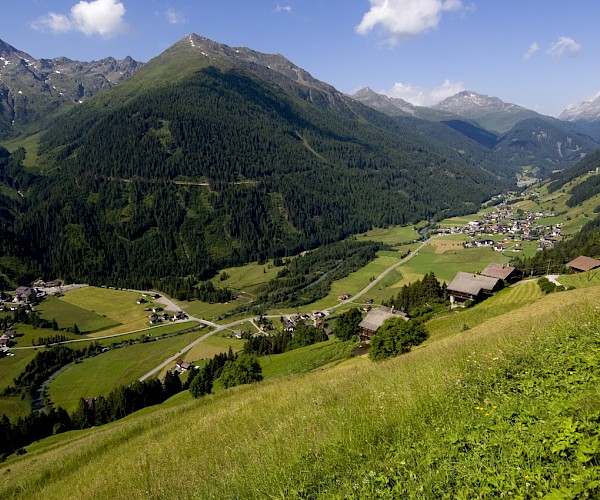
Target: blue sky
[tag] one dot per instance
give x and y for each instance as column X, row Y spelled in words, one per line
column 543, row 55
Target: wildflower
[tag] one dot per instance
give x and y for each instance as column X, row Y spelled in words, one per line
column 487, row 414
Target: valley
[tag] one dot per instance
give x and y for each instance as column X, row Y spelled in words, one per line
column 225, row 278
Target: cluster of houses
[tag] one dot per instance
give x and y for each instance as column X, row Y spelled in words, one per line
column 5, row 341
column 516, row 227
column 316, row 318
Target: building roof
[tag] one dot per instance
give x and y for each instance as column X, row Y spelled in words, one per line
column 472, row 284
column 583, row 263
column 500, row 271
column 376, row 317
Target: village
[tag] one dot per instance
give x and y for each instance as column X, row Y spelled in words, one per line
column 507, row 227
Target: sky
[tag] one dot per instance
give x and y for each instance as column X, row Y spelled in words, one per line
column 543, row 55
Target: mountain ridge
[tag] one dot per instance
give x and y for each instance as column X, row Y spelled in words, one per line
column 32, row 90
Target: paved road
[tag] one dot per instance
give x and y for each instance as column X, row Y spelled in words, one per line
column 380, row 277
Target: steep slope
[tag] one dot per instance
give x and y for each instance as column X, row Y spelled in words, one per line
column 212, row 155
column 31, row 89
column 546, row 143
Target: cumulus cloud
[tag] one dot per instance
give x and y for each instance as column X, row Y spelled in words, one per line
column 563, row 46
column 398, row 19
column 420, row 96
column 533, row 48
column 97, row 17
column 174, row 17
column 284, row 8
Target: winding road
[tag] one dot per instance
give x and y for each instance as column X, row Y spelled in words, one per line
column 229, row 326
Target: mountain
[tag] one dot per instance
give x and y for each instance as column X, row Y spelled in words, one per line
column 586, row 115
column 211, row 156
column 489, row 112
column 31, row 89
column 393, row 106
column 469, row 125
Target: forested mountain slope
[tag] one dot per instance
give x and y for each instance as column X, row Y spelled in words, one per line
column 212, row 156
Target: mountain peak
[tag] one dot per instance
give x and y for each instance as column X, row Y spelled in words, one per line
column 489, row 112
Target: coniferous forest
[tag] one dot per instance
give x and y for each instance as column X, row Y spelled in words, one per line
column 216, row 169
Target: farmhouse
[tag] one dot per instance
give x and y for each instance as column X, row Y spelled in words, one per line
column 467, row 286
column 25, row 294
column 502, row 272
column 374, row 319
column 583, row 263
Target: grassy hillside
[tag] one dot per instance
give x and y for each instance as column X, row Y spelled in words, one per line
column 508, row 406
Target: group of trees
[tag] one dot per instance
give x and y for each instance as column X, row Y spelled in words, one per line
column 396, row 336
column 124, row 400
column 308, row 277
column 280, row 342
column 412, row 297
column 231, row 369
column 188, row 288
column 346, row 326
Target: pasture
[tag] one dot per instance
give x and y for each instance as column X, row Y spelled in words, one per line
column 99, row 375
column 393, row 235
column 117, row 305
column 213, row 345
column 67, row 315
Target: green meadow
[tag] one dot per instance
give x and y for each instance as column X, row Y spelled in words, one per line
column 507, row 407
column 393, row 235
column 118, row 306
column 67, row 315
column 97, row 376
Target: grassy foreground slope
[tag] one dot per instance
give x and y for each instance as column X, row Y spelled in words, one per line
column 510, row 406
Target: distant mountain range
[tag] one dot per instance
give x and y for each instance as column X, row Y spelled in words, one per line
column 506, row 134
column 31, row 90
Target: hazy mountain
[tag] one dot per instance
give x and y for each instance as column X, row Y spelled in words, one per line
column 489, row 112
column 211, row 155
column 394, row 106
column 586, row 115
column 533, row 140
column 33, row 89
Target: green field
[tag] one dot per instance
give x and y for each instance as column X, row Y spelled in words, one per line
column 99, row 375
column 11, row 366
column 305, row 359
column 213, row 345
column 14, row 407
column 393, row 235
column 27, row 334
column 246, row 277
column 208, row 311
column 67, row 314
column 116, row 305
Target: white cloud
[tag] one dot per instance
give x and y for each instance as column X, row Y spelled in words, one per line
column 97, row 17
column 284, row 8
column 398, row 19
column 563, row 46
column 533, row 48
column 420, row 96
column 174, row 17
